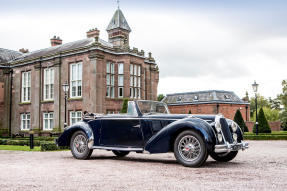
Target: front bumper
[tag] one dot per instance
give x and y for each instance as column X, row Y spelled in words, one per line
column 227, row 147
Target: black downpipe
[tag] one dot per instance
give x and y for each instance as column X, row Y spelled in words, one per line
column 10, row 105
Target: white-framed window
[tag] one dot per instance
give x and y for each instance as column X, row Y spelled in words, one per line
column 76, row 80
column 48, row 121
column 135, row 81
column 110, row 80
column 26, row 87
column 120, row 80
column 75, row 116
column 25, row 121
column 49, row 84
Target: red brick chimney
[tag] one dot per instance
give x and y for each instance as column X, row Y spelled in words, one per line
column 93, row 33
column 55, row 41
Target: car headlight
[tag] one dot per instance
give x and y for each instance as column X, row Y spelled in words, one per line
column 233, row 126
column 219, row 137
column 234, row 136
column 218, row 127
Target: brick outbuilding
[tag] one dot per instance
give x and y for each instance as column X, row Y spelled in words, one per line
column 208, row 102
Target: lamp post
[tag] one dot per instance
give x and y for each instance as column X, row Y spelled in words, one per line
column 66, row 89
column 255, row 88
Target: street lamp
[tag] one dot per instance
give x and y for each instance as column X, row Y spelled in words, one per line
column 66, row 89
column 255, row 88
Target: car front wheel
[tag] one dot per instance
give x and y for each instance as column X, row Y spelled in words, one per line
column 190, row 149
column 79, row 146
column 224, row 157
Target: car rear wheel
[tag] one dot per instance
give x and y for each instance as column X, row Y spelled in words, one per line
column 121, row 153
column 79, row 146
column 190, row 149
column 224, row 157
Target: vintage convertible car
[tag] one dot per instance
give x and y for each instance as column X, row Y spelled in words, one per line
column 148, row 127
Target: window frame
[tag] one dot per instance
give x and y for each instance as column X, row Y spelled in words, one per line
column 24, row 121
column 49, row 119
column 110, row 79
column 76, row 117
column 50, row 84
column 26, row 86
column 78, row 81
column 135, row 81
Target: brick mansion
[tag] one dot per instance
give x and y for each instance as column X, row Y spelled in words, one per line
column 99, row 74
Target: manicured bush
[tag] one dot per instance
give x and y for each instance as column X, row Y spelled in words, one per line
column 265, row 137
column 263, row 125
column 125, row 106
column 240, row 121
column 48, row 146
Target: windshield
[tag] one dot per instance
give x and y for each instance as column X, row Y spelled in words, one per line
column 152, row 107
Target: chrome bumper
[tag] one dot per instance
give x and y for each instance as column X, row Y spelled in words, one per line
column 230, row 147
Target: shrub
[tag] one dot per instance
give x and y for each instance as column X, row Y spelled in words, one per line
column 239, row 120
column 263, row 125
column 125, row 106
column 48, row 146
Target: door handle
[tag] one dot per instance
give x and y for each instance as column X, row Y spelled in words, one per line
column 136, row 126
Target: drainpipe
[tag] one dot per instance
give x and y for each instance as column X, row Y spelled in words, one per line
column 10, row 105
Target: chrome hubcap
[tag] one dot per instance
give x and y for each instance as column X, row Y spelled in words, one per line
column 80, row 144
column 189, row 148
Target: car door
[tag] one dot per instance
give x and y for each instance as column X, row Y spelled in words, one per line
column 121, row 132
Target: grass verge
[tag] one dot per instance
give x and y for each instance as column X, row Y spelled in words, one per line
column 18, row 148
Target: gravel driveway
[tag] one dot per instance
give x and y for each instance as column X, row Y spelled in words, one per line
column 261, row 167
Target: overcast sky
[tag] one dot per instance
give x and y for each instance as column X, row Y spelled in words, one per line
column 198, row 45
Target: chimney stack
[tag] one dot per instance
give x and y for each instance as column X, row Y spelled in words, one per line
column 93, row 33
column 23, row 50
column 55, row 41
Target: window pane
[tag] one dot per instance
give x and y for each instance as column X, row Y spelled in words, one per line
column 112, row 80
column 112, row 92
column 121, row 68
column 108, row 67
column 120, row 92
column 139, row 82
column 112, row 68
column 139, row 70
column 79, row 113
column 108, row 92
column 108, row 79
column 135, row 69
column 135, row 81
column 79, row 71
column 131, row 69
column 131, row 81
column 121, row 80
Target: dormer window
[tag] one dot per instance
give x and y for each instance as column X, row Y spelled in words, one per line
column 179, row 99
column 227, row 97
column 195, row 98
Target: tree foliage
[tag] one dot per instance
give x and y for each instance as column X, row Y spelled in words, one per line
column 160, row 97
column 125, row 106
column 283, row 98
column 270, row 114
column 263, row 125
column 240, row 121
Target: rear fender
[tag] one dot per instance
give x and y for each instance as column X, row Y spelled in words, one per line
column 65, row 137
column 162, row 142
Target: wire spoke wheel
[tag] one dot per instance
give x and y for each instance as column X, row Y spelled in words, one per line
column 79, row 145
column 189, row 148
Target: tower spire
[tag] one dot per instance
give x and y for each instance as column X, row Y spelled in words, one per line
column 118, row 2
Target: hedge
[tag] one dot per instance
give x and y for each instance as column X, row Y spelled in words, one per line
column 48, row 146
column 265, row 137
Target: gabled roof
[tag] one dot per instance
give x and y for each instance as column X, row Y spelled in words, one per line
column 203, row 97
column 7, row 55
column 119, row 21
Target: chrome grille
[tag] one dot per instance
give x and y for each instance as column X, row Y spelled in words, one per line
column 226, row 130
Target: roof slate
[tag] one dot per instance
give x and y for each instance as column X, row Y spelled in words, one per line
column 119, row 21
column 7, row 55
column 199, row 97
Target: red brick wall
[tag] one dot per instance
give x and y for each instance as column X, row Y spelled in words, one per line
column 228, row 110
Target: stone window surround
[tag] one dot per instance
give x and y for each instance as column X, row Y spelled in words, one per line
column 135, row 85
column 110, row 79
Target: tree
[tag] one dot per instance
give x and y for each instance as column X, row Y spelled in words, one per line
column 263, row 125
column 283, row 98
column 125, row 106
column 160, row 97
column 261, row 102
column 240, row 121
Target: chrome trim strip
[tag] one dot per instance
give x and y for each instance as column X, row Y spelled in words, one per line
column 91, row 142
column 118, row 148
column 231, row 147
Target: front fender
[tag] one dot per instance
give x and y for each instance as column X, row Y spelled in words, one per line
column 163, row 141
column 65, row 137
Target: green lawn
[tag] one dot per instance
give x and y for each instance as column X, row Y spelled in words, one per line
column 18, row 148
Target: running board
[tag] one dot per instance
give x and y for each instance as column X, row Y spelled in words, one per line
column 119, row 148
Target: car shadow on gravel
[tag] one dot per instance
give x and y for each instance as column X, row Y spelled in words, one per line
column 208, row 164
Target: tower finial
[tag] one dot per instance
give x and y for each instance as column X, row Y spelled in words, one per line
column 118, row 2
